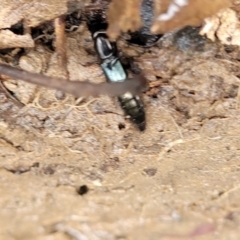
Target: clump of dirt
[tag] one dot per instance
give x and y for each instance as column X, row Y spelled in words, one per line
column 77, row 168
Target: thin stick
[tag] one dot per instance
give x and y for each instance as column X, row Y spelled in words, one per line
column 60, row 42
column 76, row 88
column 9, row 95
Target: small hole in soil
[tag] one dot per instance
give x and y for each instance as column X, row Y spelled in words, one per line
column 17, row 28
column 82, row 190
column 154, row 96
column 121, row 126
column 36, row 164
column 150, row 171
column 229, row 49
column 49, row 170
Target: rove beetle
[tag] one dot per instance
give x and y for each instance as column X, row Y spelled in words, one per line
column 114, row 70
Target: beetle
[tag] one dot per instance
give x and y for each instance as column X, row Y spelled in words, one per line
column 115, row 72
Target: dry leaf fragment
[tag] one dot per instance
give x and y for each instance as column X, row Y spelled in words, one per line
column 225, row 25
column 123, row 16
column 10, row 40
column 180, row 13
column 169, row 14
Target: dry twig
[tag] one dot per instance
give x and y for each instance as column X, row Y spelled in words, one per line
column 60, row 42
column 76, row 88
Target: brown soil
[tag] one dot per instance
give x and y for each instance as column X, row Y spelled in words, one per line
column 80, row 170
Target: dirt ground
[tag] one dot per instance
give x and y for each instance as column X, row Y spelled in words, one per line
column 77, row 169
